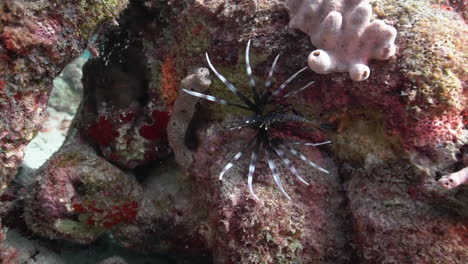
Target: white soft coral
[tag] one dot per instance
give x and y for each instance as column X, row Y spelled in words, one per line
column 344, row 34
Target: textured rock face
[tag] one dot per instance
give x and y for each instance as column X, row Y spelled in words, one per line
column 37, row 39
column 392, row 134
column 79, row 195
column 310, row 228
column 403, row 226
column 422, row 94
column 8, row 255
column 124, row 120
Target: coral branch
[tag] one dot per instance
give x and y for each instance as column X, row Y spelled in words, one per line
column 344, row 34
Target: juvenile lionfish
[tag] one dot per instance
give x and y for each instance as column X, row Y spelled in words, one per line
column 262, row 120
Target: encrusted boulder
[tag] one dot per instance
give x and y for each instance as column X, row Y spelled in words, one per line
column 78, row 195
column 120, row 115
column 37, row 39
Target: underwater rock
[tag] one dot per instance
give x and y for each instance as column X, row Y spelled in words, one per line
column 391, row 135
column 395, row 220
column 192, row 213
column 8, row 255
column 78, row 196
column 120, row 116
column 36, row 42
column 377, row 125
column 173, row 216
column 307, row 229
column 414, row 103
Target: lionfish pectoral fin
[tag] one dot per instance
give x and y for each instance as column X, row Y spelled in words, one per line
column 311, row 144
column 292, row 93
column 305, row 159
column 289, row 80
column 253, row 162
column 266, row 92
column 249, row 73
column 274, row 172
column 214, row 99
column 230, row 164
column 231, row 87
column 235, row 158
column 289, row 165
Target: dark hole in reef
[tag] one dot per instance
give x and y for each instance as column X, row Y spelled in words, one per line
column 365, row 74
column 191, row 140
column 119, row 76
column 79, row 187
column 142, row 172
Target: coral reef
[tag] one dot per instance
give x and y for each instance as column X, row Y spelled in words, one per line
column 403, row 226
column 307, row 229
column 37, row 39
column 125, row 121
column 344, row 35
column 142, row 161
column 415, row 102
column 240, row 229
column 173, row 216
column 79, row 195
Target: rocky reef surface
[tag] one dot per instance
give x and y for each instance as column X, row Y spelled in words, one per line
column 142, row 159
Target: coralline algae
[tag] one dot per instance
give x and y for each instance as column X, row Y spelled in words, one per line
column 392, row 135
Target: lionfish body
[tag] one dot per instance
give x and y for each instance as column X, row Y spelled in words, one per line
column 262, row 120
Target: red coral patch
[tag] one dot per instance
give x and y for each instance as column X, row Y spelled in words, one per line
column 125, row 213
column 158, row 129
column 102, row 131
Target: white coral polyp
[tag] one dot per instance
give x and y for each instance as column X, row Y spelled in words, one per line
column 359, row 72
column 320, row 62
column 344, row 35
